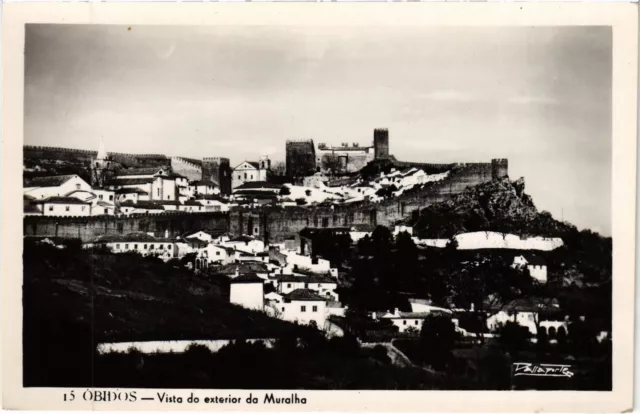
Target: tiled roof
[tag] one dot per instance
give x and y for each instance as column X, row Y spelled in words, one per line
column 534, row 259
column 257, row 184
column 242, row 239
column 104, row 204
column 61, row 200
column 213, row 197
column 192, row 203
column 203, row 182
column 288, row 277
column 131, row 191
column 147, row 205
column 169, row 202
column 52, row 181
column 304, row 295
column 247, row 278
column 132, row 237
column 254, row 164
column 319, row 279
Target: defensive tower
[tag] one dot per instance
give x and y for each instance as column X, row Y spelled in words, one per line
column 381, row 143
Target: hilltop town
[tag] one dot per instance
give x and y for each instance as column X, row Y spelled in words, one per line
column 427, row 267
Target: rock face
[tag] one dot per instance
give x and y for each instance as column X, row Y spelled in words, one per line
column 499, row 205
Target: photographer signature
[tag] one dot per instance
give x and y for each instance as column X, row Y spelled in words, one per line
column 542, row 370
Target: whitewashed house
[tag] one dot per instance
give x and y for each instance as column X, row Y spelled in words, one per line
column 303, row 306
column 535, row 265
column 203, row 187
column 530, row 313
column 247, row 291
column 54, row 186
column 61, row 206
column 140, row 243
column 213, row 202
column 244, row 244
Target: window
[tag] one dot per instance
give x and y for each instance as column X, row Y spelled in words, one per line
column 67, row 208
column 245, row 176
column 218, row 253
column 145, row 246
column 314, row 309
column 283, row 309
column 77, row 186
column 117, row 246
column 50, row 208
column 288, row 285
column 83, row 207
column 416, row 322
column 100, row 196
column 151, row 247
column 106, row 211
column 158, row 192
column 252, row 176
column 126, row 246
column 239, row 177
column 135, row 246
column 303, row 308
column 111, row 198
column 404, row 322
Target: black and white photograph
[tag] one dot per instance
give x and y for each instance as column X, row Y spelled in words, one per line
column 317, row 207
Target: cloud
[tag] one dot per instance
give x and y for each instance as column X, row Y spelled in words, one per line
column 532, row 100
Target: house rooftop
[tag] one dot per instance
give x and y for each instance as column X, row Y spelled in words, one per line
column 131, row 191
column 198, row 183
column 213, row 197
column 146, row 205
column 304, row 295
column 131, row 237
column 533, row 259
column 257, row 184
column 62, row 200
column 247, row 278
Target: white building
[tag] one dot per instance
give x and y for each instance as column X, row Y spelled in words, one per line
column 413, row 320
column 55, row 186
column 535, row 265
column 140, row 243
column 61, row 206
column 201, row 235
column 303, row 306
column 530, row 313
column 245, row 244
column 203, row 187
column 213, row 202
column 249, row 171
column 247, row 291
column 191, row 206
column 141, row 207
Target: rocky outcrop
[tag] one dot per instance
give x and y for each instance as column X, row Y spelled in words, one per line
column 498, row 205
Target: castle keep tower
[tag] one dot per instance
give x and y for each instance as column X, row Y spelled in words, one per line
column 300, row 159
column 218, row 170
column 499, row 168
column 381, row 143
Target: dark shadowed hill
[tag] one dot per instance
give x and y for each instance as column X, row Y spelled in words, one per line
column 128, row 298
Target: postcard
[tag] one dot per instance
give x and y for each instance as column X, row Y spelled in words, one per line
column 319, row 207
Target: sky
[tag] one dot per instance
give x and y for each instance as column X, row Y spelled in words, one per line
column 539, row 96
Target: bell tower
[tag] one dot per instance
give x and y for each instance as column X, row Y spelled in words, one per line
column 101, row 167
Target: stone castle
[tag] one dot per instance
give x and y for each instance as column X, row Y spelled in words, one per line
column 304, row 158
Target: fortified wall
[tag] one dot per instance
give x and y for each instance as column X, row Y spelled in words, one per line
column 89, row 228
column 85, row 156
column 187, row 167
column 278, row 224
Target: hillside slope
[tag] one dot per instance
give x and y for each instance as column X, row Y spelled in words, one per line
column 127, row 298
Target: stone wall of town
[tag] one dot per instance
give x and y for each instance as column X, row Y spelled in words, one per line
column 89, row 228
column 76, row 155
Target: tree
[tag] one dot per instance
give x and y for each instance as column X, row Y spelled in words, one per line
column 279, row 168
column 513, row 337
column 284, row 191
column 437, row 339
